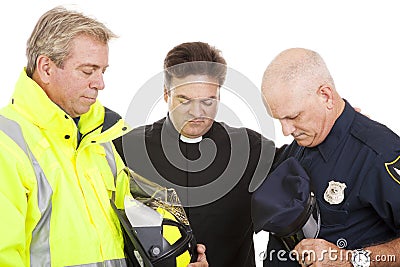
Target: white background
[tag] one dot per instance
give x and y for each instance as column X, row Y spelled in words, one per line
column 359, row 41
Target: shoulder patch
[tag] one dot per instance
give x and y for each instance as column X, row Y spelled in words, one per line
column 393, row 168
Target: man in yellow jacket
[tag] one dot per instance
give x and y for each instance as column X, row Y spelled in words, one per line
column 57, row 177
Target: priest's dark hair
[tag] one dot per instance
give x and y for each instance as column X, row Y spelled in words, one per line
column 194, row 58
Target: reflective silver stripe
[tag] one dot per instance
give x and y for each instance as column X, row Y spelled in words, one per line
column 109, row 263
column 111, row 161
column 13, row 130
column 40, row 246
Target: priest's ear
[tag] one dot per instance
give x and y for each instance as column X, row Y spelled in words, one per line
column 167, row 93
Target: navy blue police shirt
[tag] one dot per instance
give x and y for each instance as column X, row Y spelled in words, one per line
column 355, row 176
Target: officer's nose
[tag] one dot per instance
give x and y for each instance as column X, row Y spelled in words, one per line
column 287, row 127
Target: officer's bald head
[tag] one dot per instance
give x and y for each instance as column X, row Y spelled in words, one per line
column 299, row 91
column 297, row 66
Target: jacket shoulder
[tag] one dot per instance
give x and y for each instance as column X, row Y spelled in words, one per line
column 375, row 135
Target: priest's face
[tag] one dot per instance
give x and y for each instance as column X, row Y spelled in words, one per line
column 192, row 104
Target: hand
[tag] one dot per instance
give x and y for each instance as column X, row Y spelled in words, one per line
column 319, row 252
column 201, row 258
column 359, row 111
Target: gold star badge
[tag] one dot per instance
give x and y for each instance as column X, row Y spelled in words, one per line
column 393, row 168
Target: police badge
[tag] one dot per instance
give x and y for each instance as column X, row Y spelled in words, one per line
column 393, row 168
column 334, row 193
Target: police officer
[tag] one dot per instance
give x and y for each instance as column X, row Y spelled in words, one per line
column 353, row 163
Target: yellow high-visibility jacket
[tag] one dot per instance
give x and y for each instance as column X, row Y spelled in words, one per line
column 64, row 218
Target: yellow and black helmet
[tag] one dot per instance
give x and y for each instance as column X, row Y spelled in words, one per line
column 155, row 227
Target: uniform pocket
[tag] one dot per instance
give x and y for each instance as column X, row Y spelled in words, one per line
column 331, row 216
column 102, row 169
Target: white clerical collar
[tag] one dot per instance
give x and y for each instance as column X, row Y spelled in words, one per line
column 190, row 140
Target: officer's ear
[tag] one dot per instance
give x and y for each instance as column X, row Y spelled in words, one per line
column 326, row 95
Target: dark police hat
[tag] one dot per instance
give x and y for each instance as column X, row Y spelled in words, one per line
column 285, row 206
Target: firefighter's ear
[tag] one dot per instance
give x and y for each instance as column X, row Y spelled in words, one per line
column 44, row 68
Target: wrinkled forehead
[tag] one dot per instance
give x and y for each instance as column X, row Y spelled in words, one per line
column 280, row 109
column 282, row 99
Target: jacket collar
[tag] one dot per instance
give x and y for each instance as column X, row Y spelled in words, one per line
column 30, row 100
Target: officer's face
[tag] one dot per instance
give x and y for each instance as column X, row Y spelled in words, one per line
column 302, row 114
column 74, row 87
column 193, row 104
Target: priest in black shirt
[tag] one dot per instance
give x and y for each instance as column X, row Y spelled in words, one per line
column 210, row 164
